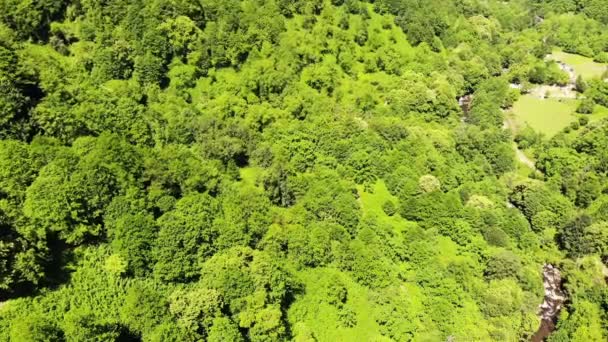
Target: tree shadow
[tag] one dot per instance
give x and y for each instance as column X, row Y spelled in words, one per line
column 55, row 272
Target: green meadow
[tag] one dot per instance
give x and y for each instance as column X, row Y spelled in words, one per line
column 548, row 116
column 584, row 66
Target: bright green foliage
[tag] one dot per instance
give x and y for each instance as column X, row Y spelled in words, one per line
column 144, row 309
column 502, row 298
column 252, row 170
column 253, row 287
column 35, row 328
column 58, row 200
column 246, row 218
column 184, row 238
column 581, row 325
column 534, row 199
column 195, row 309
column 81, row 325
column 131, row 240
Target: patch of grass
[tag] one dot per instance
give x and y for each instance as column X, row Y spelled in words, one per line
column 583, row 66
column 250, row 175
column 312, row 312
column 371, row 204
column 372, row 201
column 599, row 113
column 548, row 116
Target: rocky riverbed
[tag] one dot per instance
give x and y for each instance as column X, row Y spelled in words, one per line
column 554, row 299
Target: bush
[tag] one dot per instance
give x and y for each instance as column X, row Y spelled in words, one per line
column 601, row 57
column 389, row 208
column 502, row 298
column 586, row 106
column 429, row 183
column 503, row 265
column 583, row 121
column 480, row 202
column 572, row 236
column 460, row 232
column 512, row 96
column 581, row 85
column 527, row 138
column 575, row 125
column 544, row 220
column 496, row 237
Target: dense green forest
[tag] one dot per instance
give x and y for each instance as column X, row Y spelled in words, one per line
column 297, row 170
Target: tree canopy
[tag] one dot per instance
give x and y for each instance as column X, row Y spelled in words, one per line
column 274, row 170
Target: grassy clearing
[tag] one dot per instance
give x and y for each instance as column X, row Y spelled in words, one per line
column 523, row 170
column 249, row 175
column 599, row 113
column 371, row 204
column 312, row 313
column 582, row 65
column 548, row 116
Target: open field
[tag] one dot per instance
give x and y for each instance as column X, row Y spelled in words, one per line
column 547, row 116
column 582, row 65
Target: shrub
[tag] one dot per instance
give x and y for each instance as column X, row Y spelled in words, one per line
column 580, row 85
column 575, row 125
column 389, row 208
column 502, row 297
column 601, row 57
column 496, row 237
column 586, row 106
column 480, row 202
column 527, row 137
column 429, row 183
column 503, row 265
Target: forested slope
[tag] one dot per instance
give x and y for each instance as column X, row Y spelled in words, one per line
column 270, row 170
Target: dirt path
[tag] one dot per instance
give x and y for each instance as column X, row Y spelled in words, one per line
column 521, row 156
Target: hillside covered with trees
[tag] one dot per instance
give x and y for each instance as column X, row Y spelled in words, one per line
column 297, row 170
